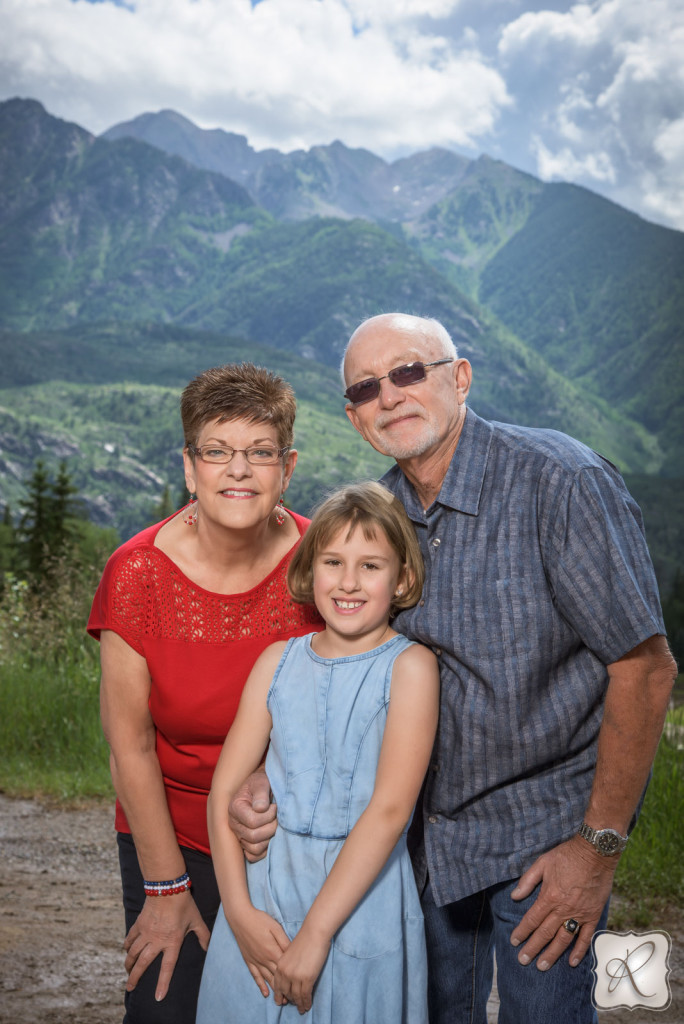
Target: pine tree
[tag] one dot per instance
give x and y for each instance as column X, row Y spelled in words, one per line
column 7, row 544
column 62, row 508
column 45, row 531
column 164, row 507
column 35, row 522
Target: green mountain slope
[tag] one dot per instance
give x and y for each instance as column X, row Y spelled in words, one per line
column 122, row 444
column 462, row 232
column 594, row 289
column 110, row 228
column 511, row 383
column 605, row 305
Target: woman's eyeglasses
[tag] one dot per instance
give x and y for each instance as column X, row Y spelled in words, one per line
column 401, row 377
column 259, row 455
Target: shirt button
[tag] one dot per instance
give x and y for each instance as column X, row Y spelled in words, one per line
column 434, row 767
column 436, row 542
column 437, row 651
column 422, row 604
column 432, row 819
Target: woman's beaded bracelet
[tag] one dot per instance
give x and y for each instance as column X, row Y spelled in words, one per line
column 170, row 888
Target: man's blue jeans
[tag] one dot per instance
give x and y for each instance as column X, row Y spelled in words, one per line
column 461, row 939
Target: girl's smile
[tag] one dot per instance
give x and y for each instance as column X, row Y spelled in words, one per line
column 355, row 582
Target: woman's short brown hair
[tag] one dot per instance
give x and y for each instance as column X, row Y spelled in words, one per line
column 238, row 391
column 372, row 507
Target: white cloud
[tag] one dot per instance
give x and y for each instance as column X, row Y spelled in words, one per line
column 383, row 11
column 566, row 166
column 287, row 72
column 670, row 141
column 613, row 77
column 664, row 197
column 578, row 27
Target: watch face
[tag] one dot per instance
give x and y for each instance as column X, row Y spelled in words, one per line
column 607, row 842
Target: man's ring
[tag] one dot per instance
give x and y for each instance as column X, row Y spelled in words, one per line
column 571, row 925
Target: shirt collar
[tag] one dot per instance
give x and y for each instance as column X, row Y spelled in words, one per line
column 462, row 486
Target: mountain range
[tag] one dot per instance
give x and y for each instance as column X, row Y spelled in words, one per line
column 145, row 255
column 596, row 290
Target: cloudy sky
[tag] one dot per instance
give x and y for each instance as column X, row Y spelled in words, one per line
column 590, row 92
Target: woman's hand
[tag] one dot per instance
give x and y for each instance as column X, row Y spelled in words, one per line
column 298, row 970
column 161, row 927
column 252, row 816
column 262, row 942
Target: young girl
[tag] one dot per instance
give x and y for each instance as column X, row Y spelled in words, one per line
column 331, row 917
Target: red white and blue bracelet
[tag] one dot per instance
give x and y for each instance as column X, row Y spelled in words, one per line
column 170, row 888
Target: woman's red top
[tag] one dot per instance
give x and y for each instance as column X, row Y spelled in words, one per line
column 199, row 648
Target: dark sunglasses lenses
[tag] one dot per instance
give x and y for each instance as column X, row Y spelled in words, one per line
column 401, row 377
column 364, row 391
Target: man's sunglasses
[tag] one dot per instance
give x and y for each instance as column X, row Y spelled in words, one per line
column 401, row 377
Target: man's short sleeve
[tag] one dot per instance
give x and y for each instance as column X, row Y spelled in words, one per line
column 597, row 561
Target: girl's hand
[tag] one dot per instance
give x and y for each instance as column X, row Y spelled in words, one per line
column 160, row 927
column 298, row 970
column 262, row 942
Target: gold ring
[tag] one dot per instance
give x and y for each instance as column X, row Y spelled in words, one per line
column 571, row 925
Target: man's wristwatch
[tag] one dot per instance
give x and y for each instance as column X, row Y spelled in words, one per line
column 605, row 841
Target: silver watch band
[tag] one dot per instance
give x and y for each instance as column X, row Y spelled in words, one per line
column 606, row 841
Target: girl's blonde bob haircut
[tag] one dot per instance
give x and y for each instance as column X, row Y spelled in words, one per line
column 372, row 507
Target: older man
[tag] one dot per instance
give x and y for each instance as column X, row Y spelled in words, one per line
column 541, row 604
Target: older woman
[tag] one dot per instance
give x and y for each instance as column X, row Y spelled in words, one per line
column 182, row 612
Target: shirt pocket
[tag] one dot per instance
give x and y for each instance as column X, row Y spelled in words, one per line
column 506, row 627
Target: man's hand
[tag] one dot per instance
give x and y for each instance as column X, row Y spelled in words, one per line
column 253, row 817
column 161, row 927
column 575, row 883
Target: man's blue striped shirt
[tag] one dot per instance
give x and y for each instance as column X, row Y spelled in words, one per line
column 538, row 576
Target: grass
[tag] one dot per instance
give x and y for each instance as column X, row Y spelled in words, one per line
column 650, row 874
column 50, row 734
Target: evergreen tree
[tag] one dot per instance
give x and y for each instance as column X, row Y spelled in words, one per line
column 164, row 507
column 35, row 522
column 7, row 545
column 45, row 529
column 62, row 507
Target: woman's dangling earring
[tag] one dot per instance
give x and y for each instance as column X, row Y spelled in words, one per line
column 280, row 515
column 190, row 517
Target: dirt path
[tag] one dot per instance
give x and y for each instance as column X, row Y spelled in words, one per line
column 61, row 922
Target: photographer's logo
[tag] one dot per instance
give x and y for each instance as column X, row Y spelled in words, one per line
column 631, row 970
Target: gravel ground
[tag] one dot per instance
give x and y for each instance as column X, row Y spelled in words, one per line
column 61, row 927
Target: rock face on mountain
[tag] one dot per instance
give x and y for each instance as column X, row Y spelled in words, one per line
column 333, row 180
